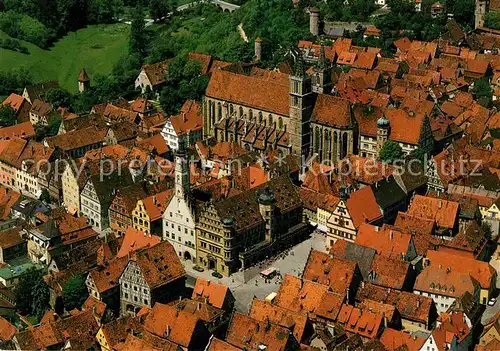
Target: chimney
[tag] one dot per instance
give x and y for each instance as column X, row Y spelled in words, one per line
column 314, row 21
column 440, row 203
column 377, row 228
column 391, row 235
column 198, row 307
column 418, row 303
column 258, row 49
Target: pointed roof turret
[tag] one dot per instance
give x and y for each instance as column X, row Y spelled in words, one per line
column 83, row 77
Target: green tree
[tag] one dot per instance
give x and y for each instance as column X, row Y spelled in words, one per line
column 45, row 196
column 58, row 97
column 138, row 37
column 7, row 116
column 492, row 19
column 74, row 293
column 483, row 91
column 390, row 152
column 41, row 296
column 161, row 8
column 24, row 290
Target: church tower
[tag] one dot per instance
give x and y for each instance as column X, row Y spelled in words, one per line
column 322, row 74
column 181, row 172
column 83, row 81
column 383, row 130
column 300, row 105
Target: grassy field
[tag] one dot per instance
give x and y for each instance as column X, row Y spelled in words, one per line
column 96, row 48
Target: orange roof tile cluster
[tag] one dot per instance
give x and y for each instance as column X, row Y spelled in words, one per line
column 263, row 311
column 220, row 345
column 454, row 326
column 134, row 240
column 7, row 330
column 442, row 211
column 363, row 207
column 247, row 333
column 364, row 323
column 332, row 111
column 439, row 280
column 8, row 198
column 388, row 272
column 313, row 200
column 413, row 307
column 481, row 271
column 176, row 326
column 159, row 264
column 156, row 72
column 304, row 296
column 394, row 340
column 272, row 95
column 15, row 101
column 76, row 139
column 216, row 294
column 22, row 130
column 188, row 120
column 117, row 330
column 388, row 242
column 330, row 271
column 106, row 278
column 156, row 204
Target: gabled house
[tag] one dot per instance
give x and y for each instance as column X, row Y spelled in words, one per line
column 388, row 242
column 152, row 76
column 20, row 105
column 97, row 194
column 152, row 274
column 181, row 328
column 147, row 214
column 39, row 90
column 351, row 211
column 186, row 127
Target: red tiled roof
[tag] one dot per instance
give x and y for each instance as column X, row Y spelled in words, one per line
column 215, row 293
column 333, row 272
column 271, row 96
column 248, row 333
column 363, row 207
column 387, row 242
column 22, row 130
column 442, row 211
column 7, row 330
column 167, row 322
column 332, row 111
column 394, row 340
column 263, row 311
column 134, row 240
column 188, row 120
column 481, row 271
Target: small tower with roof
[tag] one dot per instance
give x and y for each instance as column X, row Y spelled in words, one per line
column 383, row 130
column 83, row 81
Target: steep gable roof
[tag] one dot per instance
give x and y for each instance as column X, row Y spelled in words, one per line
column 271, row 95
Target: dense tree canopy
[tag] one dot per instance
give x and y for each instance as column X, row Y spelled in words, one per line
column 183, row 82
column 74, row 293
column 7, row 116
column 32, row 293
column 390, row 152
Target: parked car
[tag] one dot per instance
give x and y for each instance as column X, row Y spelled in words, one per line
column 198, row 268
column 492, row 301
column 217, row 275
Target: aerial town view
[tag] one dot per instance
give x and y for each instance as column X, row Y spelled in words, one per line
column 258, row 175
